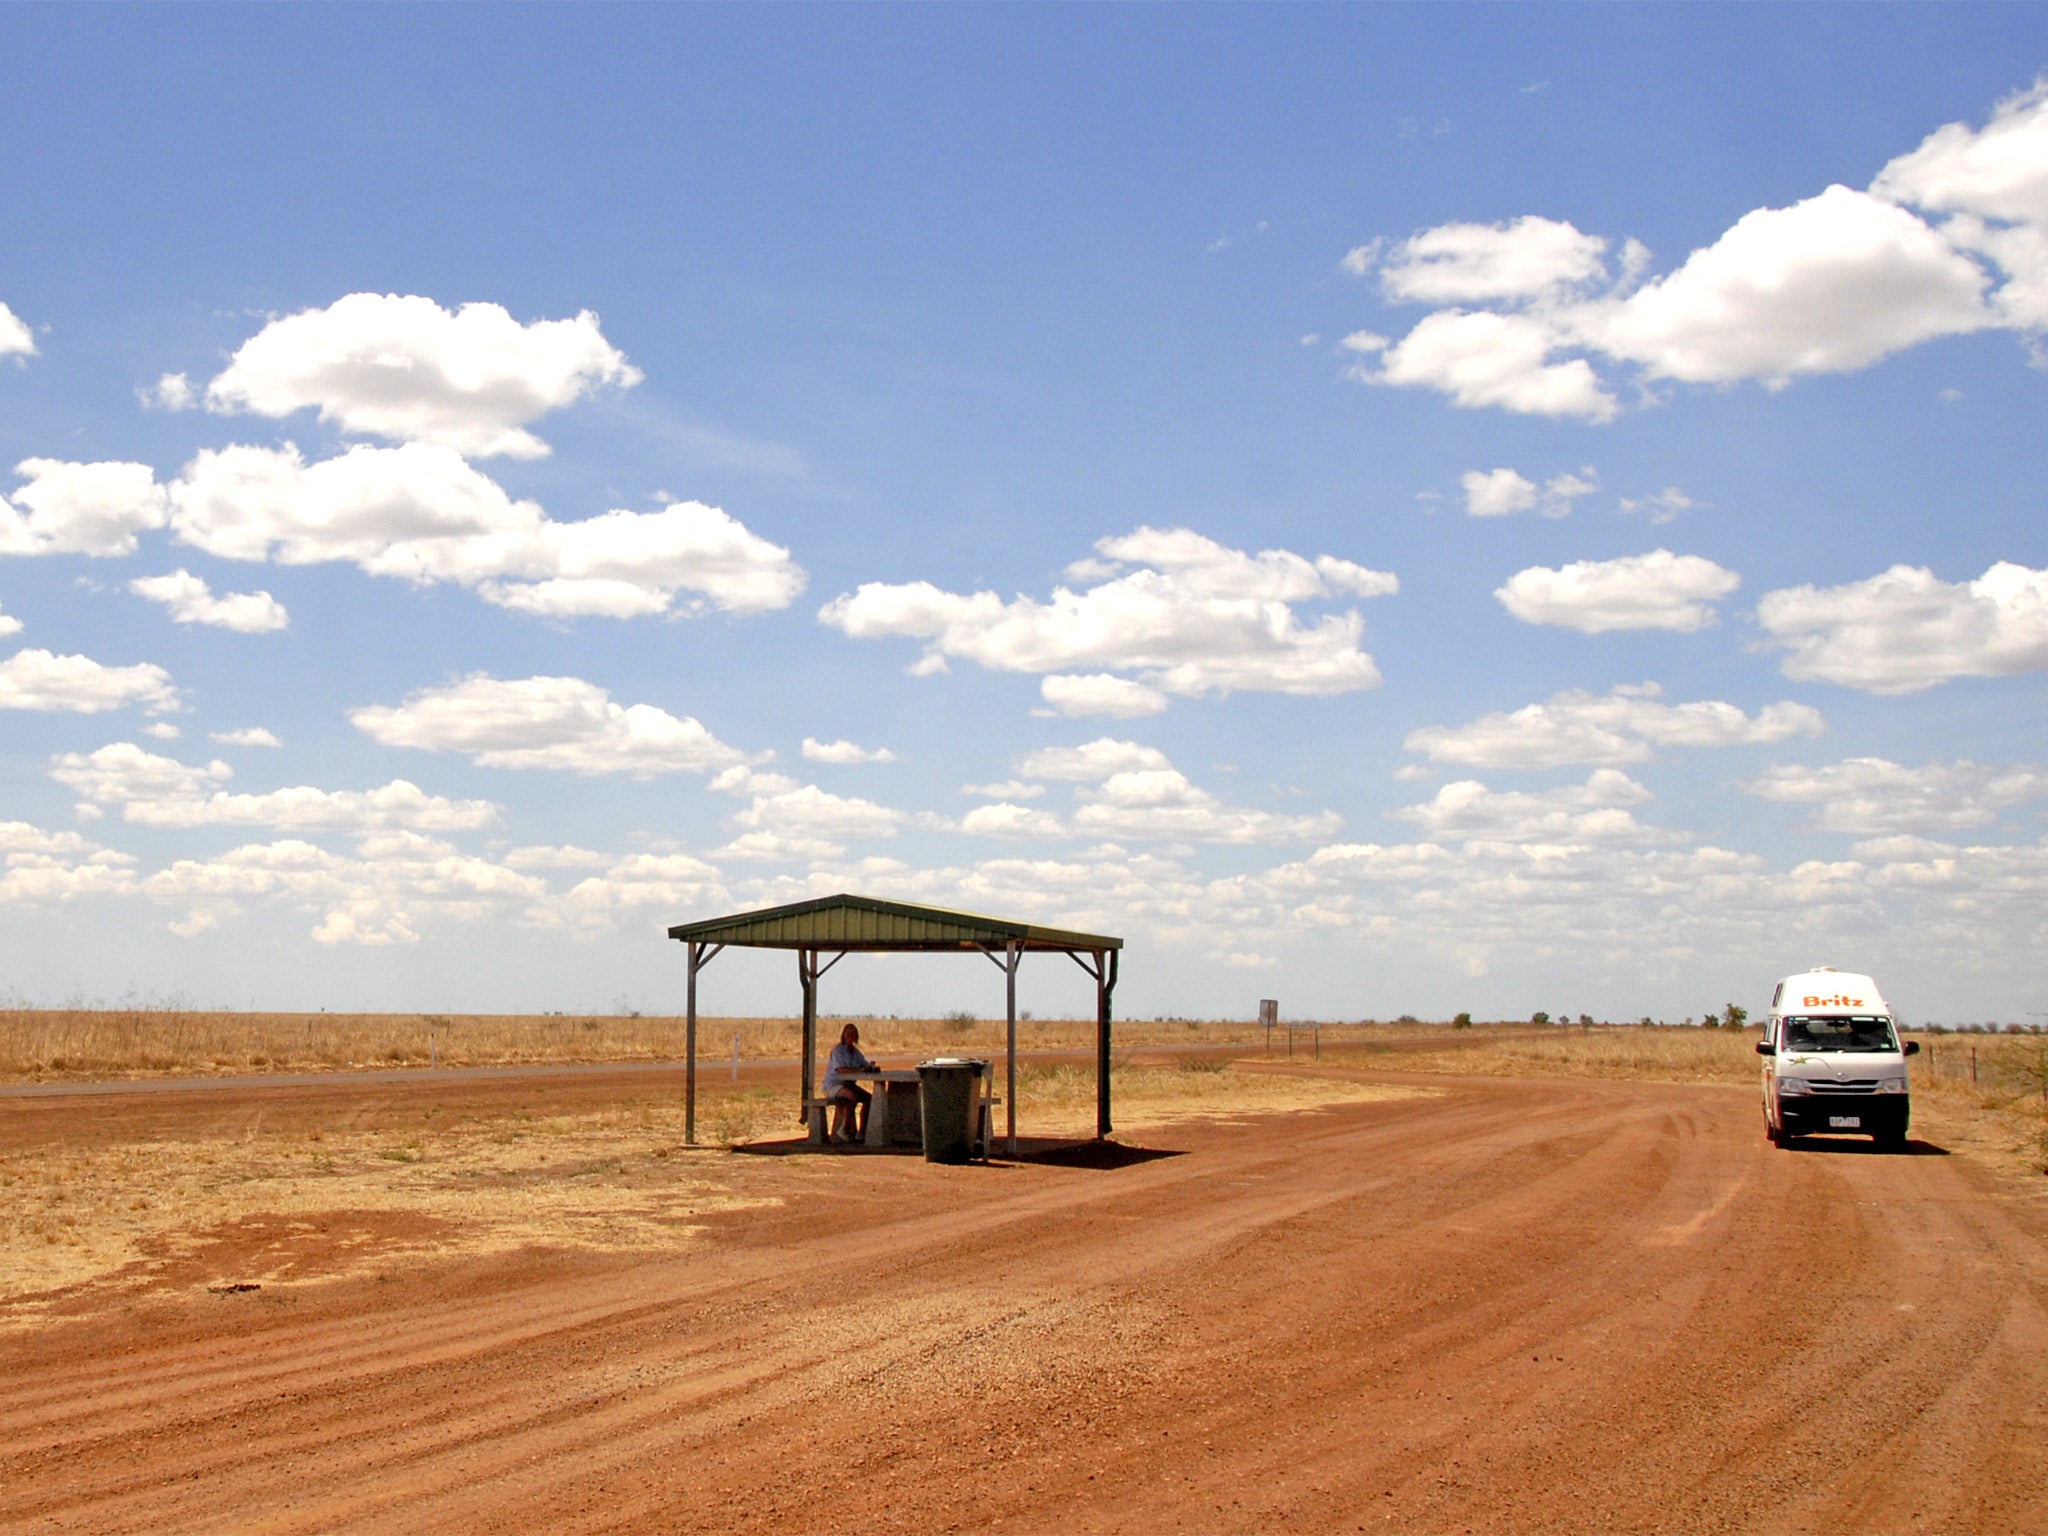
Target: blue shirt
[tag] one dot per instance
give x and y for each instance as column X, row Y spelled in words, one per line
column 842, row 1063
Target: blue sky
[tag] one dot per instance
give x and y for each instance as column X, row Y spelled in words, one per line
column 1398, row 509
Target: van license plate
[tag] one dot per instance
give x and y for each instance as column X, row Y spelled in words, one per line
column 1845, row 1122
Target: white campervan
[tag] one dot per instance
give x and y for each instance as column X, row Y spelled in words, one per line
column 1833, row 1061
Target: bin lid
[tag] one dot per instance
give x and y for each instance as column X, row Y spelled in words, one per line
column 975, row 1062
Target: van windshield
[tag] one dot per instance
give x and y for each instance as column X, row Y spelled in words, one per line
column 1865, row 1033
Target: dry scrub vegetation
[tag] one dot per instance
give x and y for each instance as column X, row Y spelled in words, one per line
column 68, row 1043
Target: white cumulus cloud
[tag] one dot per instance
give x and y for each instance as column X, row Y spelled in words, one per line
column 559, row 723
column 1092, row 761
column 1007, row 789
column 1125, row 789
column 1538, row 317
column 191, row 601
column 421, row 513
column 1828, row 285
column 1461, row 263
column 39, row 867
column 1871, row 795
column 1906, row 630
column 1659, row 506
column 1004, row 819
column 1100, row 693
column 404, row 369
column 39, row 680
column 251, row 736
column 1627, row 725
column 1598, row 811
column 172, row 392
column 80, row 509
column 845, row 752
column 158, row 791
column 9, row 625
column 1193, row 617
column 1659, row 590
column 1484, row 359
column 16, row 340
column 1161, row 804
column 1502, row 492
column 1999, row 171
column 397, row 884
column 809, row 823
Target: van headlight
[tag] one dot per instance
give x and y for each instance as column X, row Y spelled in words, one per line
column 1891, row 1085
column 1792, row 1087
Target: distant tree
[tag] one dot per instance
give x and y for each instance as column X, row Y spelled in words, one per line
column 1462, row 1021
column 1648, row 1021
column 1710, row 1020
column 1539, row 1017
column 1733, row 1017
column 1585, row 1021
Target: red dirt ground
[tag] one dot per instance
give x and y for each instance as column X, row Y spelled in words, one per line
column 1513, row 1307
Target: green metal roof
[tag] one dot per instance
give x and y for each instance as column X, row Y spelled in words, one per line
column 863, row 922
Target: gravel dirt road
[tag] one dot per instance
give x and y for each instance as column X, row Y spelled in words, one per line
column 1506, row 1307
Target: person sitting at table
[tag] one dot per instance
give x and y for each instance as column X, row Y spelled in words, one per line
column 849, row 1099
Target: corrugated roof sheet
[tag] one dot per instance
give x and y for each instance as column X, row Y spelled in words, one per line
column 865, row 922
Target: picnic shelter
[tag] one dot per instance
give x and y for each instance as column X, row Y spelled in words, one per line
column 842, row 925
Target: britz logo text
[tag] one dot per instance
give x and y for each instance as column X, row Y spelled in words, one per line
column 1833, row 1002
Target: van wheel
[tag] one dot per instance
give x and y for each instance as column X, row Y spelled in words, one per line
column 1889, row 1141
column 1785, row 1138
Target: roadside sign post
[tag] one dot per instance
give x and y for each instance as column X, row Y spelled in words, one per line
column 1269, row 1015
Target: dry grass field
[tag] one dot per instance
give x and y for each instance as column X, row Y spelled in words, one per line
column 45, row 1044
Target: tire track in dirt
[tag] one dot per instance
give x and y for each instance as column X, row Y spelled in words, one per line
column 1538, row 1307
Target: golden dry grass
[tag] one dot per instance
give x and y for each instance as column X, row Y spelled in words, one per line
column 1655, row 1054
column 67, row 1043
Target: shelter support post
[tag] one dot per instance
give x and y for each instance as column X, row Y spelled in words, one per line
column 808, row 971
column 1105, row 984
column 1011, row 960
column 1012, row 957
column 701, row 955
column 807, row 975
column 1100, row 964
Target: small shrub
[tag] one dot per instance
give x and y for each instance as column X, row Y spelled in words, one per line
column 959, row 1022
column 1539, row 1017
column 1462, row 1021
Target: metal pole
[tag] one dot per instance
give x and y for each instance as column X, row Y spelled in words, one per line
column 690, row 1049
column 807, row 973
column 1010, row 987
column 1105, row 984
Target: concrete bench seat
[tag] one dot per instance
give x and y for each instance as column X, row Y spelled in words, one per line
column 816, row 1110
